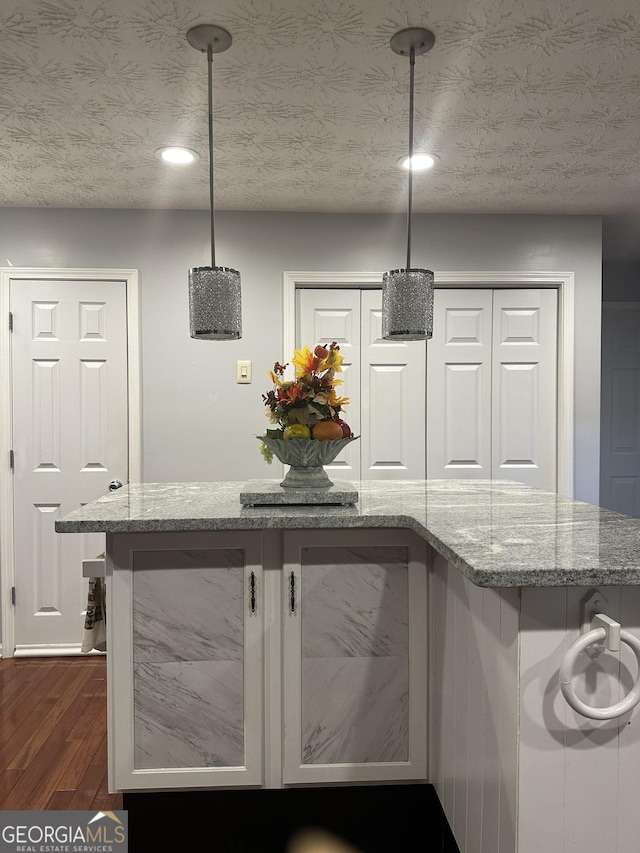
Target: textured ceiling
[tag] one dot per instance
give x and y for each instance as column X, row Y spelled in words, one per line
column 531, row 106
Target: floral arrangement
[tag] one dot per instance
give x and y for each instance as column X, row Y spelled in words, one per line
column 308, row 406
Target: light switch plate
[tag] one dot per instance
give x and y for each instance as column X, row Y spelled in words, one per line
column 243, row 372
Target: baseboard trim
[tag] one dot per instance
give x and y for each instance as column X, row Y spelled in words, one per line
column 66, row 650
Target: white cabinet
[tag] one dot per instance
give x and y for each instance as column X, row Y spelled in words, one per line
column 354, row 656
column 238, row 663
column 184, row 656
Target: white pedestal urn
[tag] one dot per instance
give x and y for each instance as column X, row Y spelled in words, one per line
column 306, row 456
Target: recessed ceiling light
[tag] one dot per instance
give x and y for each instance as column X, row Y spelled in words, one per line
column 174, row 154
column 421, row 161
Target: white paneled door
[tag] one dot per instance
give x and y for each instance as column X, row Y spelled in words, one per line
column 328, row 315
column 459, row 385
column 384, row 381
column 620, row 419
column 70, row 439
column 492, row 386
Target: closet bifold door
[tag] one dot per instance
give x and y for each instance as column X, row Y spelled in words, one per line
column 492, row 368
column 355, row 656
column 185, row 640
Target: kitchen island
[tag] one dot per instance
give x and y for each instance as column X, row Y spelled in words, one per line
column 415, row 636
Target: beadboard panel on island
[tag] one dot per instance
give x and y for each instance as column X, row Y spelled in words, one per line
column 515, row 768
column 473, row 702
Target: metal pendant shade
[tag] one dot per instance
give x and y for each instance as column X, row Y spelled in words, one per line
column 407, row 305
column 407, row 294
column 215, row 312
column 215, row 306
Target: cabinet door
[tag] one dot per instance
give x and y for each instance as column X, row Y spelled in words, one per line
column 185, row 660
column 355, row 656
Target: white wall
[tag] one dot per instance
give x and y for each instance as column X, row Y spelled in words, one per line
column 198, row 423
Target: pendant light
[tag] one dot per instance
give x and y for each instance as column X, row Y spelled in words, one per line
column 215, row 310
column 407, row 294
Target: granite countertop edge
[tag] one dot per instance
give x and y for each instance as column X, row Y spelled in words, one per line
column 496, row 533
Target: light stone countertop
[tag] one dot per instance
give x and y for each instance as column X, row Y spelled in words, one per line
column 497, row 533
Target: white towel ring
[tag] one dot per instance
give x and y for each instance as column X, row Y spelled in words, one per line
column 597, row 635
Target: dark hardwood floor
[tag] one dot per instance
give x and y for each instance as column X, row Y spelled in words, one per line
column 53, row 734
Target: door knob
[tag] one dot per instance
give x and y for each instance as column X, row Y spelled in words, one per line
column 115, row 484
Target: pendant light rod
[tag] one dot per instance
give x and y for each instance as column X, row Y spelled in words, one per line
column 412, row 42
column 407, row 294
column 210, row 39
column 412, row 64
column 215, row 299
column 210, row 104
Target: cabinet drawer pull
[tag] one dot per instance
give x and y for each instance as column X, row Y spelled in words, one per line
column 252, row 592
column 292, row 595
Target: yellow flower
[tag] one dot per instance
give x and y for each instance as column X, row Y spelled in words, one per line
column 304, row 361
column 333, row 400
column 331, row 361
column 274, row 378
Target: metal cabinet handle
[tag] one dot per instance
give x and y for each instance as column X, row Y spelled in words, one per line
column 292, row 593
column 115, row 484
column 252, row 592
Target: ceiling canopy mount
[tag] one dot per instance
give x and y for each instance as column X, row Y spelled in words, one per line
column 206, row 36
column 418, row 38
